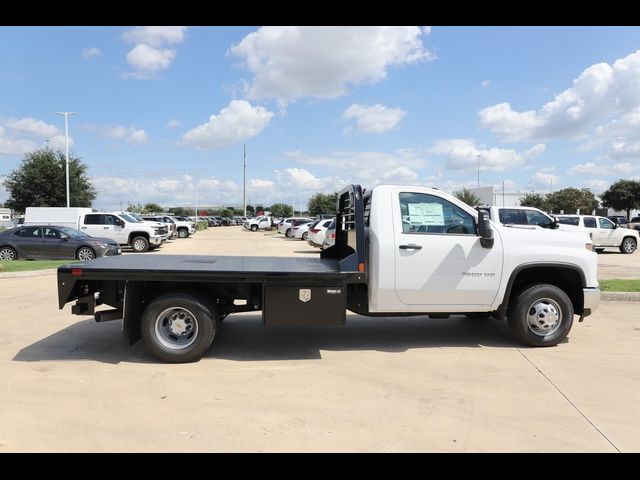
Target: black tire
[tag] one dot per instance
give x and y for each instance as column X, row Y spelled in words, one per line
column 288, row 233
column 628, row 245
column 535, row 308
column 195, row 315
column 183, row 233
column 254, row 228
column 140, row 244
column 305, row 235
column 85, row 253
column 8, row 253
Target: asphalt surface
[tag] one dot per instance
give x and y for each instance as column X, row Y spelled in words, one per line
column 409, row 384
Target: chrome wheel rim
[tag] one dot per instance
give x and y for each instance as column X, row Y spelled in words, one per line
column 544, row 317
column 7, row 254
column 629, row 245
column 85, row 254
column 182, row 234
column 139, row 245
column 176, row 328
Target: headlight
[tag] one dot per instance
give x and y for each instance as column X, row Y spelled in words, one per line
column 101, row 244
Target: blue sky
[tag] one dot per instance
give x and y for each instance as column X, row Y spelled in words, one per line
column 161, row 108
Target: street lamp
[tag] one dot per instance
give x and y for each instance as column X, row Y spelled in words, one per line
column 66, row 135
column 478, row 170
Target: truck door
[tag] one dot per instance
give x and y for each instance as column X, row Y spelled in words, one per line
column 94, row 225
column 439, row 261
column 591, row 226
column 608, row 233
column 118, row 228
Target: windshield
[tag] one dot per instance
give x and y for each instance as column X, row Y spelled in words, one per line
column 72, row 232
column 136, row 216
column 129, row 218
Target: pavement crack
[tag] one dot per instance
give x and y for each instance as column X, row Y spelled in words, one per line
column 567, row 399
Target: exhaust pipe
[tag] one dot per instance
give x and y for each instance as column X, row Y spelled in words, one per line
column 107, row 315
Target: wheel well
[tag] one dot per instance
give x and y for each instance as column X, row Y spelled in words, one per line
column 566, row 278
column 628, row 236
column 133, row 235
column 183, row 228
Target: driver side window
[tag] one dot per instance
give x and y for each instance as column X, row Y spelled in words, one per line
column 424, row 213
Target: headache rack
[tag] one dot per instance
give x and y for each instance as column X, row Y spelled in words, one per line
column 349, row 248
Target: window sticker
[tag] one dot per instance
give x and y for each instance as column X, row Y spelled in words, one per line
column 426, row 214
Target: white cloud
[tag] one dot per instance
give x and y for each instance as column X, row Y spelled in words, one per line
column 601, row 93
column 156, row 36
column 132, row 135
column 485, row 83
column 257, row 184
column 173, row 123
column 596, row 186
column 543, row 181
column 32, row 126
column 154, row 50
column 366, row 167
column 604, row 169
column 167, row 191
column 91, row 52
column 322, row 62
column 59, row 142
column 374, row 118
column 462, row 154
column 236, row 122
column 14, row 146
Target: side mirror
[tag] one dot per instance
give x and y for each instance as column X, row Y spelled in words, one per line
column 554, row 223
column 484, row 229
column 120, row 223
column 615, row 225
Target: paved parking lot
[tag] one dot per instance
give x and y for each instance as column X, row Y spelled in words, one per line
column 406, row 384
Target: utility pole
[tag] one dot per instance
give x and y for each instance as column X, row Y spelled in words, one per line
column 244, row 178
column 478, row 170
column 196, row 200
column 66, row 136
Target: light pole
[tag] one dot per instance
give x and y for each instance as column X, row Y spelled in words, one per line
column 66, row 136
column 244, row 178
column 478, row 170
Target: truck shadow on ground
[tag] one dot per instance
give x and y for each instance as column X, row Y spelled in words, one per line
column 244, row 338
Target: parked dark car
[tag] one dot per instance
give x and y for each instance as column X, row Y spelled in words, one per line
column 53, row 242
column 620, row 220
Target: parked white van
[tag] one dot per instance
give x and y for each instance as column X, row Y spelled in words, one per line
column 603, row 232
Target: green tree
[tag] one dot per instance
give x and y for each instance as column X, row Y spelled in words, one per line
column 40, row 181
column 322, row 203
column 534, row 200
column 152, row 208
column 571, row 200
column 250, row 210
column 180, row 211
column 622, row 195
column 281, row 210
column 468, row 197
column 132, row 207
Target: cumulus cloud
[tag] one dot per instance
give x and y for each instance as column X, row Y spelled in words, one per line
column 132, row 135
column 173, row 123
column 592, row 168
column 91, row 52
column 154, row 50
column 597, row 186
column 374, row 118
column 293, row 62
column 32, row 126
column 604, row 96
column 543, row 181
column 462, row 154
column 168, row 191
column 13, row 146
column 236, row 122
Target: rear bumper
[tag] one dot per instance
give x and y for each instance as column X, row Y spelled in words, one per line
column 591, row 301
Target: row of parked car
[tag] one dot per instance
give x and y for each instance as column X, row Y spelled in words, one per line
column 319, row 232
column 604, row 232
column 80, row 233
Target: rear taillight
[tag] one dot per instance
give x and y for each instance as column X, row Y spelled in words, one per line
column 315, row 230
column 332, row 235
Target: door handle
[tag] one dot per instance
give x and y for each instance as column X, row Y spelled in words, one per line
column 84, row 228
column 106, row 228
column 411, row 246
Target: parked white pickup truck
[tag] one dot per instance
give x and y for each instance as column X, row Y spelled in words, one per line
column 139, row 236
column 399, row 250
column 258, row 223
column 520, row 216
column 603, row 232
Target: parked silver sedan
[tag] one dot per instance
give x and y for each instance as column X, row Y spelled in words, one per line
column 53, row 242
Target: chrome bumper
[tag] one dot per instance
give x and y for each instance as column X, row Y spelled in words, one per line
column 591, row 301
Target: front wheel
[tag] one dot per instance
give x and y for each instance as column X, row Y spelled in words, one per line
column 541, row 316
column 183, row 233
column 140, row 244
column 178, row 327
column 628, row 245
column 305, row 235
column 254, row 228
column 288, row 233
column 8, row 253
column 85, row 253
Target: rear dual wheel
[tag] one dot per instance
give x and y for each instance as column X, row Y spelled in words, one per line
column 179, row 327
